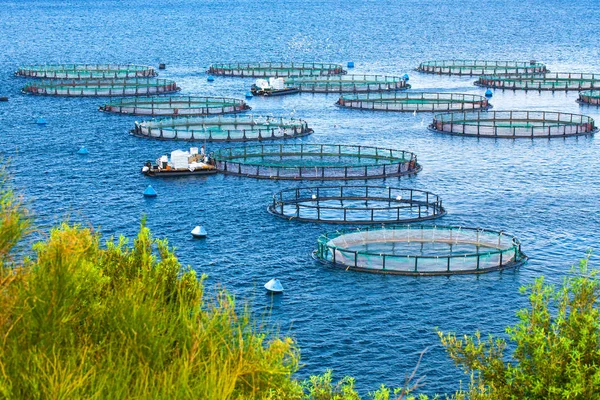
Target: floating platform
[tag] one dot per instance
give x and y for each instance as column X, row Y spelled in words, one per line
column 356, row 205
column 238, row 128
column 176, row 106
column 591, row 97
column 513, row 124
column 86, row 71
column 480, row 67
column 274, row 69
column 101, row 88
column 563, row 81
column 181, row 163
column 348, row 83
column 420, row 250
column 315, row 162
column 414, row 101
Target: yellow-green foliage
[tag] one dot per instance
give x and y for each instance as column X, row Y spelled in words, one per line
column 80, row 318
column 557, row 346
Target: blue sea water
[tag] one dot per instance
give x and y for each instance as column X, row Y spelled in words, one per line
column 370, row 326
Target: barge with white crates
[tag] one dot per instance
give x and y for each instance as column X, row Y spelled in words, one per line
column 181, row 163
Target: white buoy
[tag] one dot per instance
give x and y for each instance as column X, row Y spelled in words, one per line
column 399, row 198
column 199, row 232
column 314, row 196
column 274, row 286
column 145, row 169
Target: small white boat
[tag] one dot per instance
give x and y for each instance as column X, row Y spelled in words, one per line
column 274, row 286
column 199, row 232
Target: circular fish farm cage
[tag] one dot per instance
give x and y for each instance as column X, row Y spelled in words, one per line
column 315, row 162
column 86, row 71
column 101, row 88
column 222, row 129
column 348, row 83
column 420, row 250
column 356, row 205
column 591, row 97
column 414, row 101
column 513, row 124
column 480, row 67
column 175, row 106
column 563, row 81
column 274, row 69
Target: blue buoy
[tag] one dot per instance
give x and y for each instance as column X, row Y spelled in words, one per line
column 210, row 78
column 488, row 93
column 41, row 121
column 150, row 192
column 249, row 95
column 405, row 77
column 350, row 64
column 83, row 151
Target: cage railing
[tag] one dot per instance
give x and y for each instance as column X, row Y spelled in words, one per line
column 414, row 101
column 109, row 87
column 176, row 105
column 507, row 254
column 85, row 71
column 480, row 67
column 348, row 83
column 547, row 81
column 514, row 124
column 267, row 69
column 306, row 204
column 390, row 162
column 222, row 128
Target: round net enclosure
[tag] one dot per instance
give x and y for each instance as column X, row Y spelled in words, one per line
column 237, row 128
column 274, row 69
column 549, row 81
column 175, row 106
column 315, row 162
column 101, row 87
column 347, row 83
column 86, row 71
column 589, row 97
column 414, row 101
column 356, row 205
column 480, row 67
column 420, row 250
column 513, row 124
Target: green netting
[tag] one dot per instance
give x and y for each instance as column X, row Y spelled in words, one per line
column 85, row 71
column 549, row 81
column 222, row 129
column 316, row 161
column 274, row 69
column 414, row 101
column 176, row 106
column 420, row 250
column 356, row 204
column 101, row 87
column 348, row 83
column 513, row 124
column 480, row 67
column 590, row 97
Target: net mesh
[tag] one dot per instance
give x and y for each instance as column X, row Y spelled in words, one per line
column 414, row 101
column 513, row 124
column 480, row 67
column 176, row 106
column 224, row 129
column 420, row 250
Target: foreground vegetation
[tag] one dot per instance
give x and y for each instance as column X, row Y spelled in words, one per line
column 82, row 318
